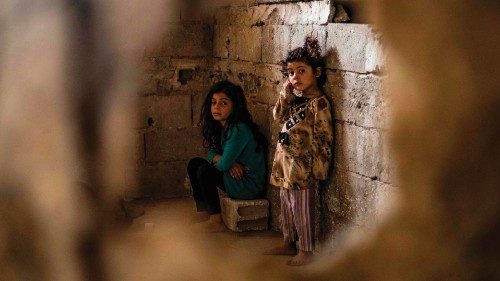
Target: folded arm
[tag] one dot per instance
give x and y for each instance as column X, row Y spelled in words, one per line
column 233, row 147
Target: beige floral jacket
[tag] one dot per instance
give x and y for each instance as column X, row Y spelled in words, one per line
column 304, row 153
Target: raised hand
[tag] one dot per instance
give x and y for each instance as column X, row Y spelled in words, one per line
column 288, row 87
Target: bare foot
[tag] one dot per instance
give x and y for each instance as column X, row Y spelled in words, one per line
column 302, row 258
column 213, row 224
column 287, row 249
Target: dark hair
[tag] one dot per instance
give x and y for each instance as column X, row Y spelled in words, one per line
column 310, row 54
column 212, row 129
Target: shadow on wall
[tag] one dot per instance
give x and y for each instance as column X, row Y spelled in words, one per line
column 335, row 208
column 174, row 82
column 443, row 136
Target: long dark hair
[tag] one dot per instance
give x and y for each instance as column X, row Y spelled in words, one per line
column 212, row 129
column 309, row 53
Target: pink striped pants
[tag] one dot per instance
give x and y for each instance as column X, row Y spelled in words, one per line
column 297, row 215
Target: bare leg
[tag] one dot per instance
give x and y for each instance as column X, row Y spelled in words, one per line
column 302, row 258
column 286, row 249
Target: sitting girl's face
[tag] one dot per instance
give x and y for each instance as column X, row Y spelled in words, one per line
column 221, row 108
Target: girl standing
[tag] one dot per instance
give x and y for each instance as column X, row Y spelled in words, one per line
column 304, row 148
column 235, row 162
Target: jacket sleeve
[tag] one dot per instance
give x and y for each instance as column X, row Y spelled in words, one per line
column 282, row 106
column 322, row 142
column 211, row 155
column 238, row 138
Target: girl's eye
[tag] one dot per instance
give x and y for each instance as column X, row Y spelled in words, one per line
column 290, row 73
column 301, row 71
column 223, row 103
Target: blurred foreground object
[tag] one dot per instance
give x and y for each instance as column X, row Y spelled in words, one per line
column 442, row 65
column 67, row 102
column 67, row 106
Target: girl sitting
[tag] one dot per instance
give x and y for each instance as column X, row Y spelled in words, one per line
column 235, row 162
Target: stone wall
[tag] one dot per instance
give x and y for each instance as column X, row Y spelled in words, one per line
column 174, row 81
column 247, row 42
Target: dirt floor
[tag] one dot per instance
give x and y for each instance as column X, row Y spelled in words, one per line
column 246, row 245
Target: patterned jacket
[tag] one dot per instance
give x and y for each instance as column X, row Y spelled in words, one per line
column 304, row 150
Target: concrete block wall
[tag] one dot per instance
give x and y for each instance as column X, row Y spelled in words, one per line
column 249, row 41
column 244, row 215
column 175, row 77
column 244, row 44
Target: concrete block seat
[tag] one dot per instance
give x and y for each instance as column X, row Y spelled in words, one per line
column 242, row 215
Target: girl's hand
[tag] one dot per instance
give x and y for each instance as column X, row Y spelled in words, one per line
column 288, row 87
column 216, row 159
column 237, row 171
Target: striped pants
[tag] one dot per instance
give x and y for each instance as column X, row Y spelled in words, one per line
column 297, row 216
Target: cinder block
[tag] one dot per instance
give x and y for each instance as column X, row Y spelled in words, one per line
column 242, row 215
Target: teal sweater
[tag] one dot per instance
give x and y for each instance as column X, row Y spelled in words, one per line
column 239, row 146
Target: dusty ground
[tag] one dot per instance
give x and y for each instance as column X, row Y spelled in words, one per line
column 246, row 245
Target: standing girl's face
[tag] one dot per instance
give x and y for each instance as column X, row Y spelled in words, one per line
column 221, row 108
column 302, row 76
